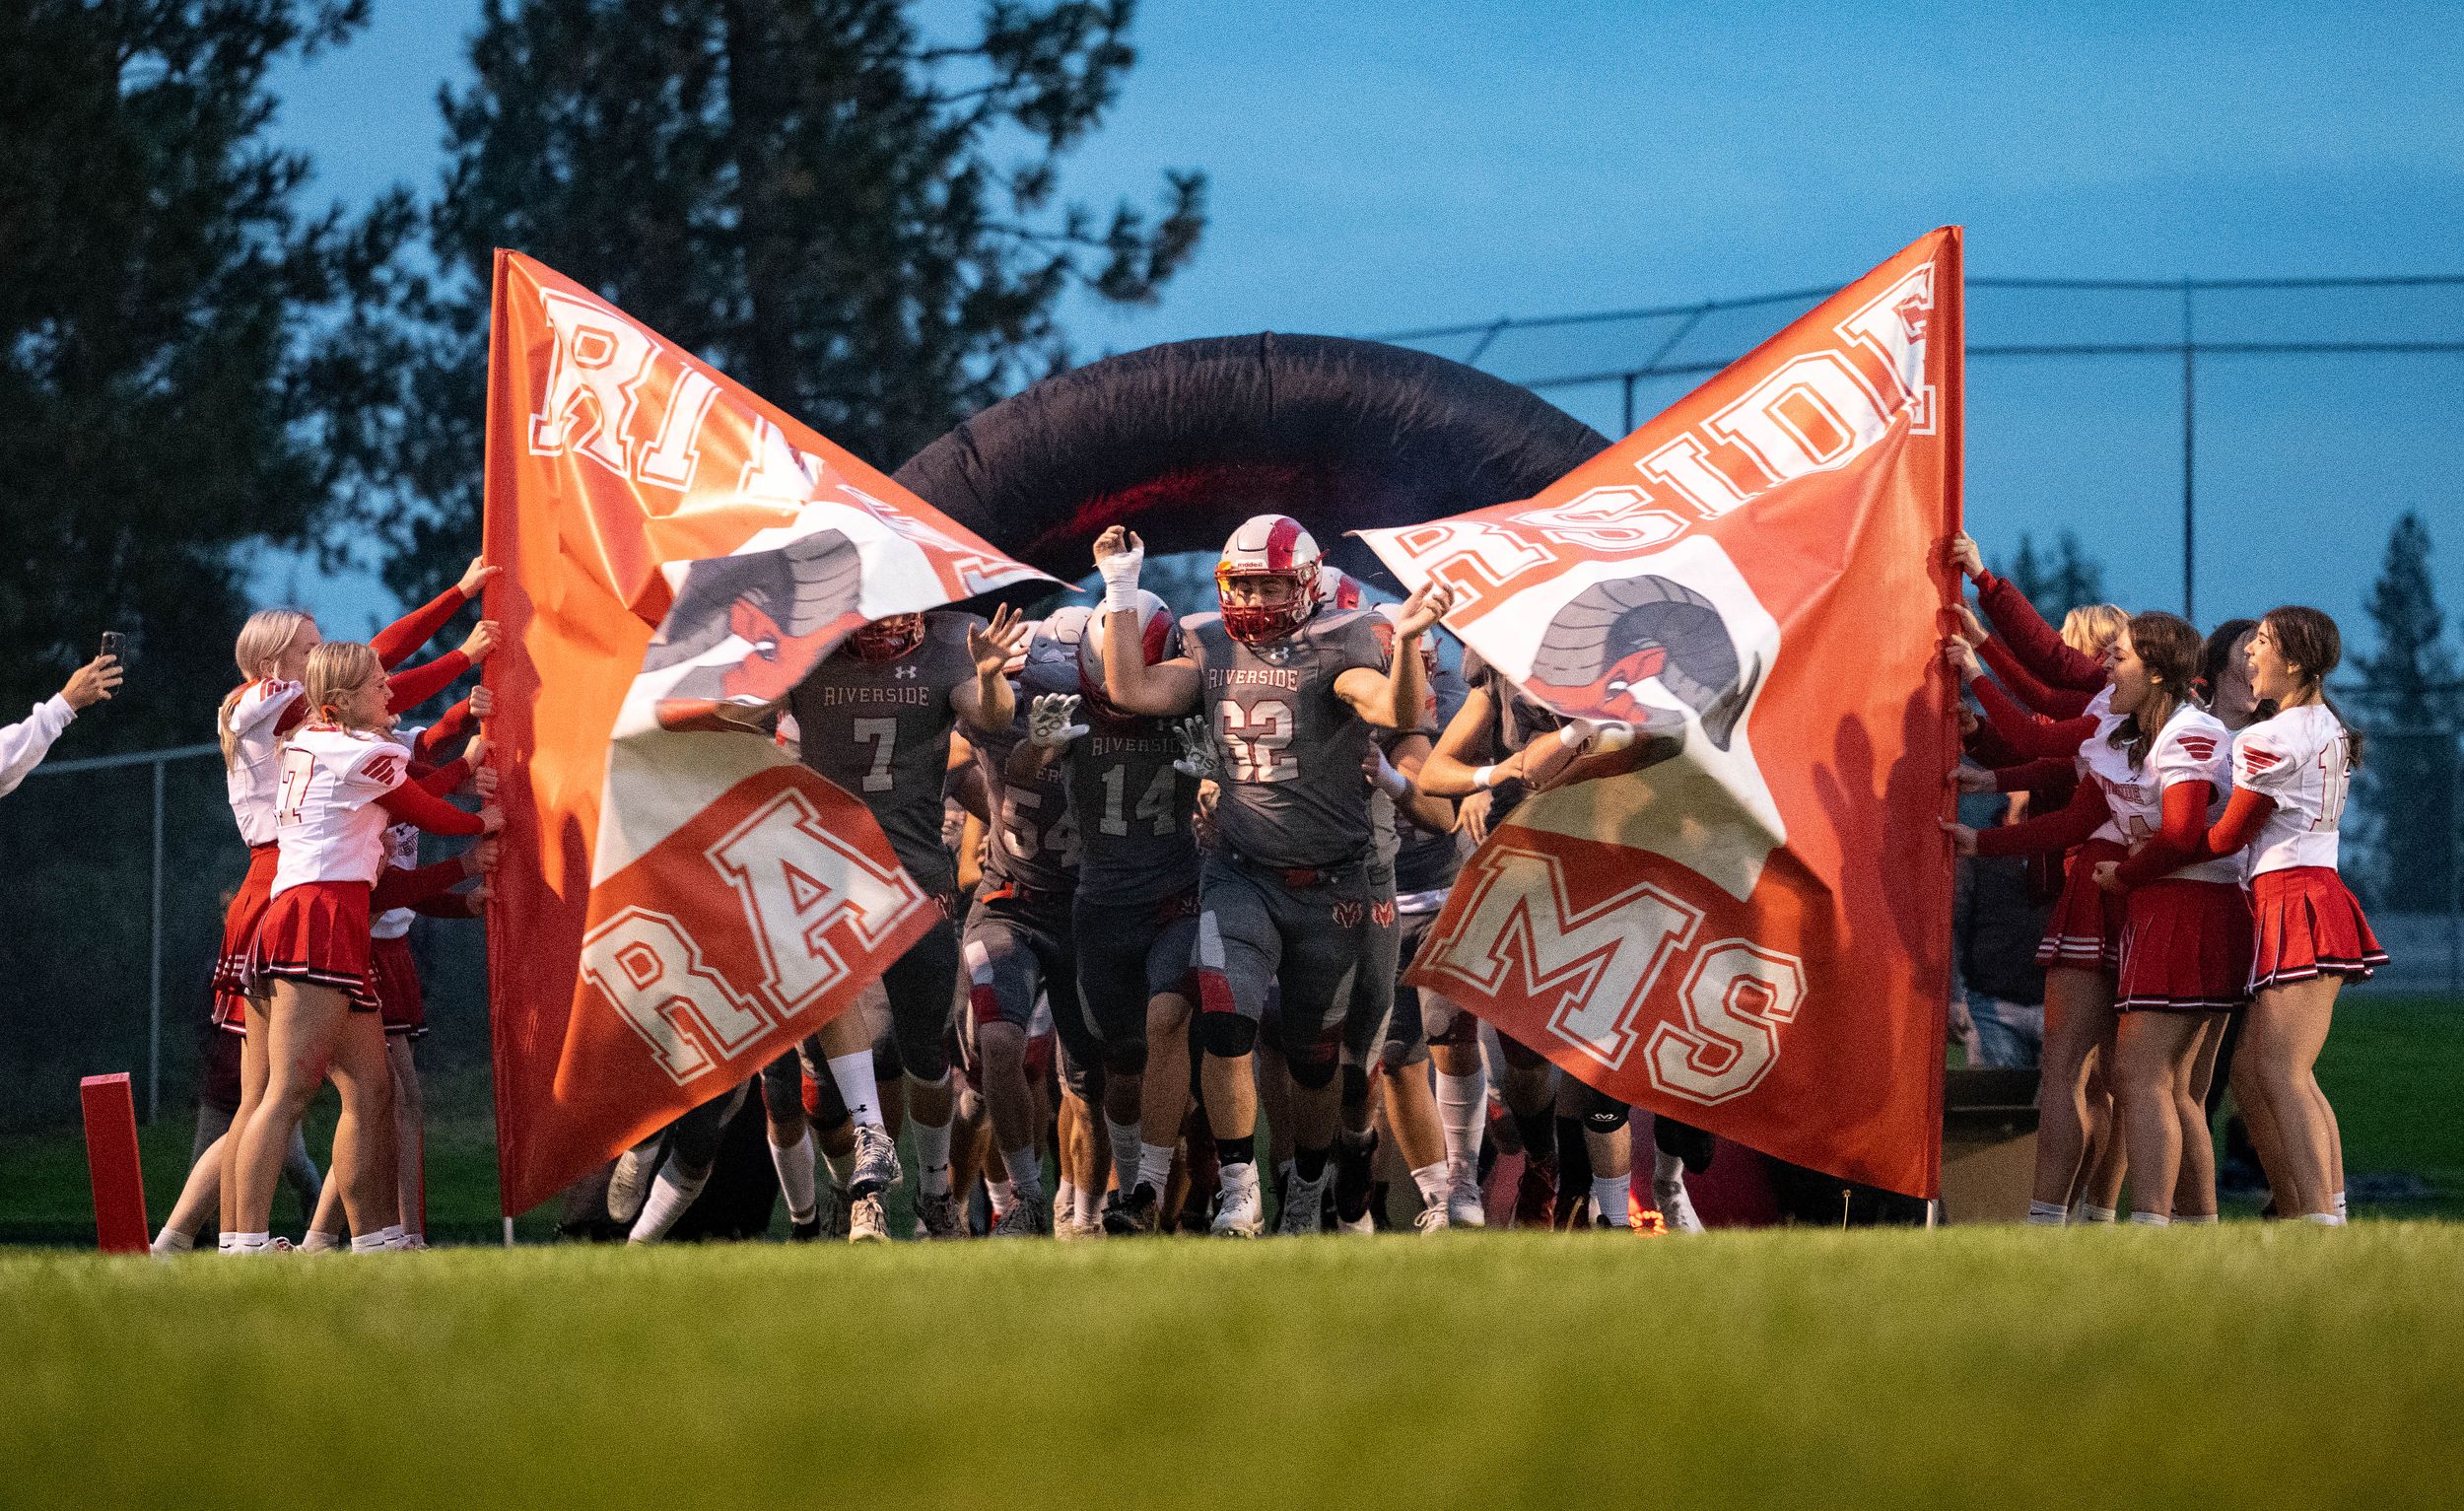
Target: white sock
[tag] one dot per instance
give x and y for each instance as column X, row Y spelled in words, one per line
column 932, row 1154
column 1089, row 1208
column 841, row 1168
column 226, row 1243
column 251, row 1243
column 795, row 1164
column 998, row 1191
column 1434, row 1180
column 1066, row 1198
column 2151, row 1221
column 670, row 1195
column 2324, row 1220
column 392, row 1237
column 1155, row 1166
column 2048, row 1214
column 2205, row 1217
column 172, row 1241
column 1463, row 1110
column 2340, row 1209
column 857, row 1086
column 1611, row 1195
column 367, row 1243
column 1026, row 1173
column 318, row 1241
column 1126, row 1154
column 2088, row 1213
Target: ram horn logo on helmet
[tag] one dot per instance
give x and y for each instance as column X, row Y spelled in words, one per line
column 1616, row 635
column 778, row 602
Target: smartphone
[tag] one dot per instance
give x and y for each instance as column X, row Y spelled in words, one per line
column 112, row 640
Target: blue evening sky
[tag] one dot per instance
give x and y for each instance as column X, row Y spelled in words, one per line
column 1382, row 167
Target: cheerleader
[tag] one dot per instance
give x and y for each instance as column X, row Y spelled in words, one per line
column 342, row 779
column 2291, row 770
column 272, row 653
column 2186, row 926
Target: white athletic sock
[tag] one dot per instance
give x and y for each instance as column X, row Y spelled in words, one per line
column 250, row 1243
column 367, row 1243
column 1089, row 1209
column 2205, row 1217
column 670, row 1195
column 1000, row 1194
column 1610, row 1194
column 1462, row 1111
column 932, row 1155
column 1435, row 1182
column 1668, row 1173
column 857, row 1086
column 172, row 1241
column 2151, row 1221
column 1026, row 1173
column 226, row 1242
column 2324, row 1220
column 2086, row 1213
column 1127, row 1153
column 391, row 1237
column 318, row 1241
column 1155, row 1166
column 2340, row 1209
column 1066, row 1201
column 2048, row 1214
column 795, row 1164
column 841, row 1168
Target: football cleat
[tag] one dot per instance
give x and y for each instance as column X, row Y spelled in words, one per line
column 938, row 1216
column 1677, row 1209
column 1273, row 547
column 865, row 1221
column 1304, row 1204
column 630, row 1186
column 1364, row 1224
column 1464, row 1207
column 1536, row 1199
column 876, row 1162
column 1025, row 1220
column 805, row 1232
column 1433, row 1220
column 1133, row 1214
column 835, row 1214
column 1240, row 1210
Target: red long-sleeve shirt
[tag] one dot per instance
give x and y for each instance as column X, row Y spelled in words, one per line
column 2066, row 826
column 2038, row 646
column 2027, row 687
column 413, row 804
column 2181, row 836
column 2034, row 737
column 396, row 643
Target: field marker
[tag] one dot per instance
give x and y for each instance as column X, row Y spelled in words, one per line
column 119, row 1188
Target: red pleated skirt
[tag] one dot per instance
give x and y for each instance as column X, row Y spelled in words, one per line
column 318, row 934
column 395, row 974
column 240, row 921
column 2185, row 948
column 2307, row 924
column 2084, row 933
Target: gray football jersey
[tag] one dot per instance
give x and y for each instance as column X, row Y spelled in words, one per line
column 1034, row 838
column 1133, row 810
column 1290, row 751
column 881, row 730
column 1425, row 862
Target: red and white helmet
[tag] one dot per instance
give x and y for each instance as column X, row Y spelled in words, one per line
column 1159, row 632
column 1339, row 589
column 1270, row 546
column 888, row 638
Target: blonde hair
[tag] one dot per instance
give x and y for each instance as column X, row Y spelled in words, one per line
column 334, row 668
column 268, row 632
column 2090, row 627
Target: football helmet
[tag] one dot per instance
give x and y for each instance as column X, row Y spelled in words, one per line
column 1159, row 632
column 888, row 638
column 1270, row 546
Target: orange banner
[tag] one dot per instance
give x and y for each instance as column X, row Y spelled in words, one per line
column 1744, row 919
column 679, row 901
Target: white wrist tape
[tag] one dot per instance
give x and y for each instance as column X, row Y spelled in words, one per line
column 1121, row 581
column 1485, row 778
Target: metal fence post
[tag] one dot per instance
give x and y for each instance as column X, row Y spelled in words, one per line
column 154, row 965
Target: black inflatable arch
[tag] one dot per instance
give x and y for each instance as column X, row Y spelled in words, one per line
column 1182, row 442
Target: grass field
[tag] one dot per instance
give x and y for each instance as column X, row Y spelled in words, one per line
column 2004, row 1367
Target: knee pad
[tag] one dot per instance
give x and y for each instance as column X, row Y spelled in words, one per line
column 1315, row 1072
column 1126, row 1057
column 1603, row 1113
column 1225, row 1035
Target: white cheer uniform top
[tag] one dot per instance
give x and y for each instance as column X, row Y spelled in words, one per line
column 326, row 814
column 2302, row 759
column 255, row 765
column 2191, row 747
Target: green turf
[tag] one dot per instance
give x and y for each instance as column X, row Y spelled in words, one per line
column 1990, row 1367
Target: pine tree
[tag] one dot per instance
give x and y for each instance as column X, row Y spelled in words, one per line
column 176, row 360
column 859, row 223
column 2070, row 580
column 2408, row 785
